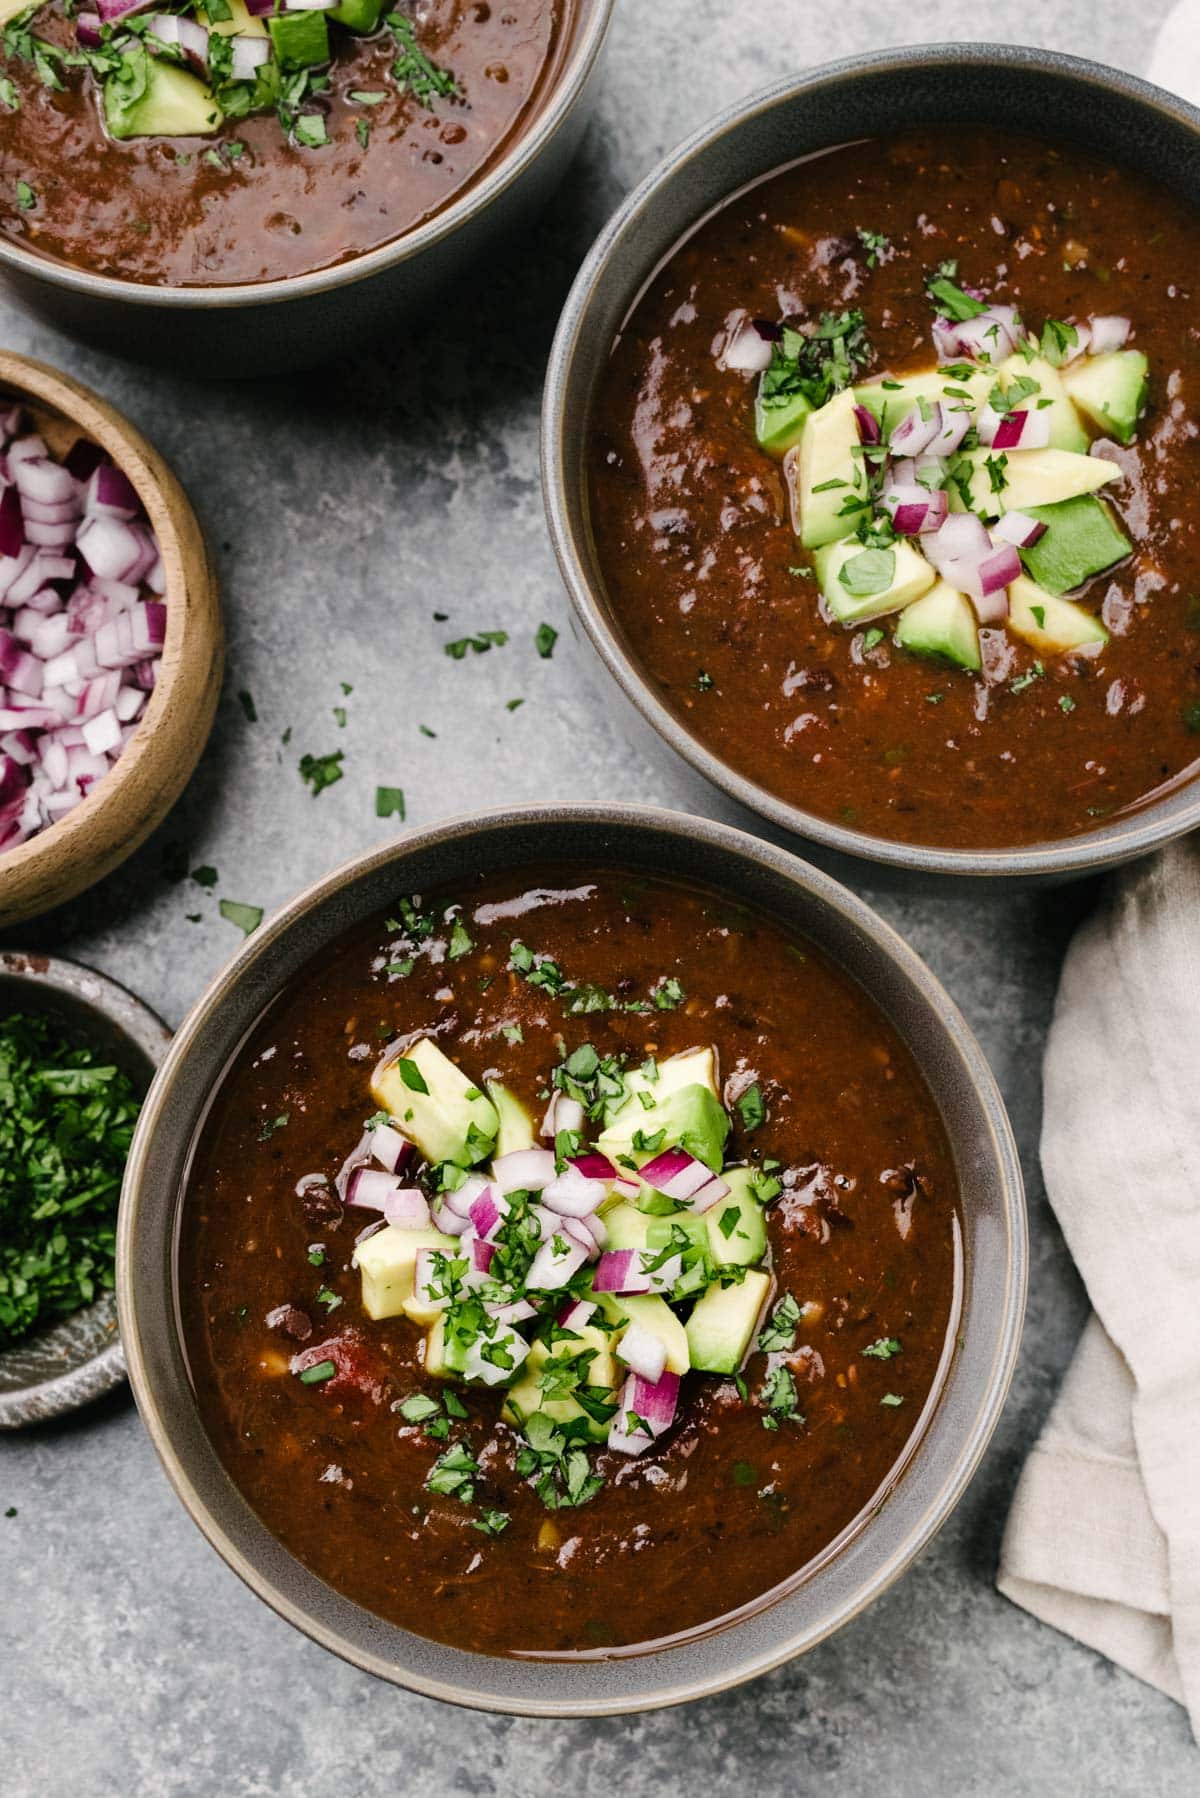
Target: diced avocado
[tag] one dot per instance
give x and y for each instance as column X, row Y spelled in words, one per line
column 660, row 1231
column 386, row 1262
column 358, row 15
column 1066, row 431
column 146, row 97
column 896, row 395
column 9, row 9
column 779, row 427
column 1081, row 538
column 678, row 1106
column 860, row 584
column 240, row 23
column 626, row 1226
column 828, row 473
column 722, row 1325
column 526, row 1394
column 450, row 1120
column 1049, row 624
column 445, row 1356
column 693, row 1067
column 941, row 623
column 1111, row 389
column 1019, row 479
column 735, row 1229
column 655, row 1315
column 301, row 39
column 516, row 1125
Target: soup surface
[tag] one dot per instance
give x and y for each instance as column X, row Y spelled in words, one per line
column 341, row 156
column 414, row 1496
column 694, row 521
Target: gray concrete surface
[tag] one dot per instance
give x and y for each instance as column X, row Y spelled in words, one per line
column 347, row 507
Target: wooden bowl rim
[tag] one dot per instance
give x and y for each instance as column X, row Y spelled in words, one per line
column 105, row 425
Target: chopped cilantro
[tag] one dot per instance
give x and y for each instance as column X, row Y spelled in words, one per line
column 318, row 1374
column 544, row 640
column 751, row 1107
column 389, row 802
column 246, row 701
column 246, row 917
column 779, row 1332
column 321, row 771
column 411, row 1075
column 883, row 1349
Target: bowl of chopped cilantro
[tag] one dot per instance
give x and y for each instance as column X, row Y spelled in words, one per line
column 77, row 1053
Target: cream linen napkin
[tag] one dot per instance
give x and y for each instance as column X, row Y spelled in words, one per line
column 1103, row 1540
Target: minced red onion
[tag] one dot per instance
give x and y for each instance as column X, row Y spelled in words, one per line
column 82, row 627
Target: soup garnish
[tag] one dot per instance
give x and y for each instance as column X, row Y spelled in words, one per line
column 644, row 1247
column 964, row 494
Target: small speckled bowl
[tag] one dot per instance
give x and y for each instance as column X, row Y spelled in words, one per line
column 1017, row 90
column 80, row 1358
column 948, row 1439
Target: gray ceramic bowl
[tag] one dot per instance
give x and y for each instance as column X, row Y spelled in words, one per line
column 265, row 326
column 80, row 1358
column 1019, row 90
column 948, row 1439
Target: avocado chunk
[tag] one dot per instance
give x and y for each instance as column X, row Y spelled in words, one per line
column 1081, row 539
column 827, row 473
column 1051, row 625
column 1051, row 402
column 890, row 399
column 148, row 97
column 778, row 424
column 358, row 15
column 860, row 584
column 445, row 1354
column 676, row 1107
column 1018, row 480
column 516, row 1125
column 735, row 1229
column 627, row 1227
column 941, row 623
column 301, row 39
column 527, row 1394
column 722, row 1325
column 1111, row 389
column 436, row 1106
column 386, row 1263
column 655, row 1315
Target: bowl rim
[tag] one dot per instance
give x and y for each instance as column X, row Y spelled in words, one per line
column 1135, row 832
column 156, row 1405
column 566, row 90
column 190, row 596
column 141, row 1026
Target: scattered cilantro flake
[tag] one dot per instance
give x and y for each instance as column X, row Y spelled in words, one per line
column 311, row 131
column 411, row 1075
column 246, row 917
column 480, row 644
column 891, row 1399
column 544, row 640
column 779, row 1332
column 454, row 1473
column 362, row 131
column 513, row 705
column 205, row 876
column 413, row 71
column 461, row 941
column 492, row 1523
column 389, row 802
column 751, row 1107
column 704, row 682
column 876, row 245
column 884, row 1349
column 248, row 706
column 272, row 1125
column 26, row 198
column 321, row 771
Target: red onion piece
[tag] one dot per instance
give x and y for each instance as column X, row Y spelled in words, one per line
column 644, row 1352
column 868, row 425
column 676, row 1174
column 558, row 1260
column 745, row 349
column 562, row 1113
column 620, row 1270
column 575, row 1314
column 571, row 1194
column 1107, row 333
column 524, row 1170
column 626, row 1186
column 489, row 1211
column 391, row 1150
column 645, row 1406
column 112, row 10
column 1018, row 528
column 87, row 30
column 915, row 432
column 249, row 54
column 370, row 1188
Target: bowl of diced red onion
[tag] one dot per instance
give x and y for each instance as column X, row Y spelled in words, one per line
column 110, row 638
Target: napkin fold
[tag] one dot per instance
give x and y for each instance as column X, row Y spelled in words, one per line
column 1103, row 1539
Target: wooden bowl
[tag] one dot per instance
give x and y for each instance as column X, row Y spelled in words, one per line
column 123, row 808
